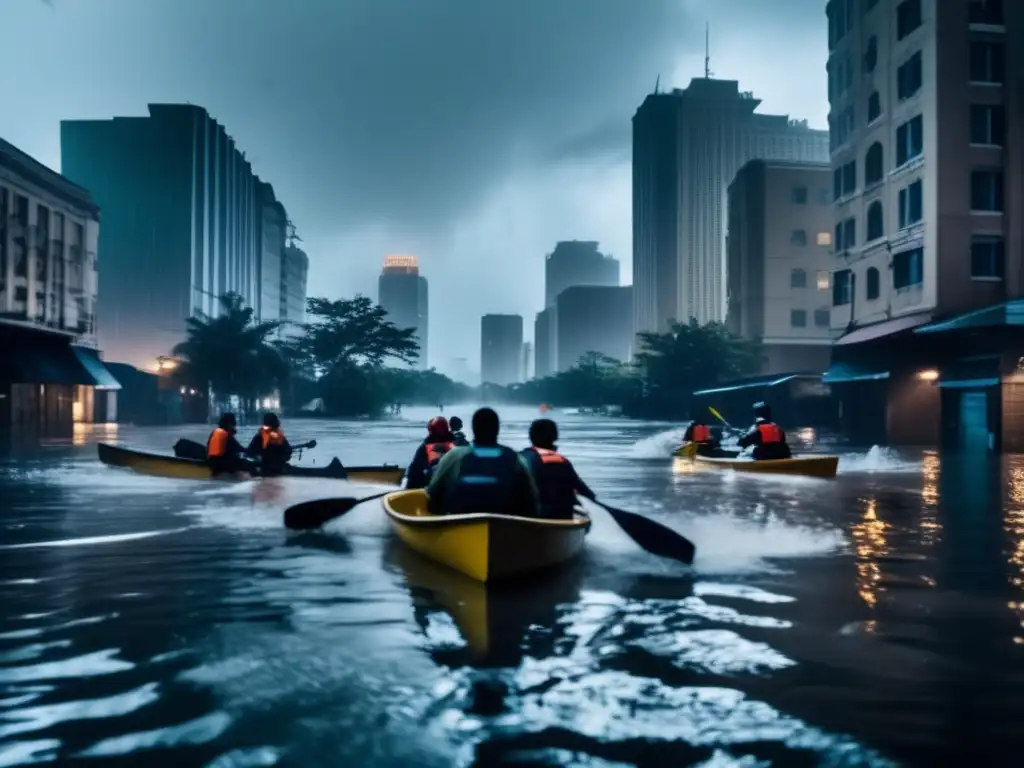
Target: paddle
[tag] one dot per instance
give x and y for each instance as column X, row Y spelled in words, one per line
column 656, row 538
column 314, row 514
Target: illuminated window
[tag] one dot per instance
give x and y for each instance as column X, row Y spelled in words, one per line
column 824, row 238
column 824, row 281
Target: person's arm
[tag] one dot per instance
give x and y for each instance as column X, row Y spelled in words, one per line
column 235, row 448
column 439, row 480
column 529, row 497
column 688, row 434
column 581, row 487
column 414, row 475
column 753, row 437
column 255, row 446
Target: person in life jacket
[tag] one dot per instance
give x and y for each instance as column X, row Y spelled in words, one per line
column 700, row 433
column 483, row 476
column 270, row 446
column 223, row 451
column 556, row 478
column 438, row 442
column 457, row 434
column 766, row 437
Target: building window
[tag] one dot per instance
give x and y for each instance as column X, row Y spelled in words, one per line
column 909, row 141
column 798, row 318
column 839, row 236
column 988, row 63
column 909, row 77
column 822, row 318
column 824, row 238
column 849, row 233
column 825, row 197
column 908, row 17
column 799, row 237
column 876, row 226
column 908, row 269
column 911, row 204
column 987, row 12
column 874, row 106
column 987, row 191
column 988, row 125
column 800, row 195
column 841, row 285
column 988, row 257
column 824, row 281
column 850, row 178
column 874, row 167
column 21, row 210
column 871, row 55
column 797, row 279
column 873, row 284
column 837, row 21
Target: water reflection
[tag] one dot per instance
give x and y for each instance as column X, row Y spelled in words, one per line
column 870, row 545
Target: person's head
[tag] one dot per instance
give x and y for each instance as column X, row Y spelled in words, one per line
column 456, row 423
column 762, row 411
column 486, row 426
column 271, row 421
column 437, row 428
column 228, row 422
column 544, row 434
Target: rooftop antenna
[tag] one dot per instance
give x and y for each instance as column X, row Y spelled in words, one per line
column 707, row 51
column 657, row 82
column 293, row 237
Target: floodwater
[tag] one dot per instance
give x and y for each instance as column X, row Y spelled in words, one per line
column 870, row 620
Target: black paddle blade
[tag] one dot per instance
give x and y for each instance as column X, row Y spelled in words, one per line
column 656, row 538
column 314, row 514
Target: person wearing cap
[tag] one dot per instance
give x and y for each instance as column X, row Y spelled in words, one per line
column 438, row 442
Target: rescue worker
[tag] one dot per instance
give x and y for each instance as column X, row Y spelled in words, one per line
column 223, row 452
column 765, row 436
column 483, row 476
column 555, row 476
column 438, row 442
column 270, row 446
column 700, row 433
column 457, row 434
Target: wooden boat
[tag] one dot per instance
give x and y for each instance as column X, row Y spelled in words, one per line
column 190, row 469
column 810, row 466
column 483, row 546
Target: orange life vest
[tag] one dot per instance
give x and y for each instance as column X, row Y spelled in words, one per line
column 217, row 445
column 701, row 434
column 436, row 451
column 770, row 433
column 271, row 437
column 548, row 456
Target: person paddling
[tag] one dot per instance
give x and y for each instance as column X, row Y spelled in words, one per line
column 765, row 436
column 438, row 442
column 700, row 433
column 223, row 451
column 270, row 446
column 556, row 477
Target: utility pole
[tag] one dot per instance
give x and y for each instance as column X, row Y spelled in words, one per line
column 293, row 236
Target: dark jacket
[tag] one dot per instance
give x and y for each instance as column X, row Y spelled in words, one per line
column 273, row 458
column 232, row 461
column 765, row 450
column 557, row 482
column 421, row 467
column 460, row 438
column 489, row 479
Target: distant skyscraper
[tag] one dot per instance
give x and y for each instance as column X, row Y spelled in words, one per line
column 182, row 223
column 594, row 318
column 501, row 349
column 527, row 364
column 402, row 292
column 273, row 228
column 294, row 272
column 687, row 147
column 544, row 329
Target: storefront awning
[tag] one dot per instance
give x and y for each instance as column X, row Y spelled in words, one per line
column 841, row 373
column 764, row 382
column 90, row 360
column 45, row 361
column 1009, row 313
column 885, row 328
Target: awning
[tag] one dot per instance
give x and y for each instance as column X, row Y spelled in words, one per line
column 841, row 373
column 44, row 361
column 885, row 328
column 1010, row 313
column 759, row 383
column 968, row 383
column 102, row 377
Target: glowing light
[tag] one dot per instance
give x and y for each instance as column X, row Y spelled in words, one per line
column 401, row 262
column 871, row 545
column 931, row 375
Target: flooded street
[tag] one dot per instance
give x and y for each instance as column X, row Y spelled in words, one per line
column 870, row 620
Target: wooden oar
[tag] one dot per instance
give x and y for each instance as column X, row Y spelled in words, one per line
column 314, row 514
column 656, row 538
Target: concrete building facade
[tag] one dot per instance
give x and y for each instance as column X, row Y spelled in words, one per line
column 501, row 349
column 594, row 318
column 779, row 261
column 273, row 228
column 402, row 292
column 293, row 289
column 688, row 145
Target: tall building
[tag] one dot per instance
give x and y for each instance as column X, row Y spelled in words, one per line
column 294, row 275
column 501, row 349
column 688, row 145
column 594, row 318
column 402, row 292
column 571, row 263
column 526, row 372
column 779, row 254
column 50, row 371
column 927, row 102
column 273, row 228
column 182, row 223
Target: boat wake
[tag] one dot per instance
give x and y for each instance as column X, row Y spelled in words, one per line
column 659, row 445
column 878, row 459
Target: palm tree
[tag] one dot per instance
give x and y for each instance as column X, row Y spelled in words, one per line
column 231, row 353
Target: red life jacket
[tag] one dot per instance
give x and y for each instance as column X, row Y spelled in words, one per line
column 701, row 434
column 548, row 456
column 271, row 437
column 770, row 433
column 436, row 451
column 555, row 480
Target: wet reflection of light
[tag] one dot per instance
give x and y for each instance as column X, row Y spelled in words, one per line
column 1013, row 524
column 870, row 544
column 806, row 435
column 930, row 527
column 683, row 466
column 84, row 433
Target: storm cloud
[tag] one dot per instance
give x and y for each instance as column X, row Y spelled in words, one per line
column 474, row 133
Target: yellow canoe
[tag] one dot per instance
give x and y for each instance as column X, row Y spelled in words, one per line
column 485, row 547
column 158, row 465
column 811, row 466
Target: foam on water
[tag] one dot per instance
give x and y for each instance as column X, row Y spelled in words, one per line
column 877, row 459
column 659, row 445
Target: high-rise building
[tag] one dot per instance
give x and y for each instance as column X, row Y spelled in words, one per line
column 294, row 275
column 779, row 251
column 527, row 363
column 182, row 223
column 594, row 318
column 402, row 292
column 273, row 227
column 501, row 349
column 687, row 146
column 544, row 341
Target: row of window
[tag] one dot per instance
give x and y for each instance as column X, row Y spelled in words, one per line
column 798, row 318
column 842, row 18
column 801, row 195
column 798, row 279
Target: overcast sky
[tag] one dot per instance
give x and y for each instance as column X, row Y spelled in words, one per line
column 472, row 133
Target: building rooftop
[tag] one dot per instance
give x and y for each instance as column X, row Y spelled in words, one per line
column 26, row 166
